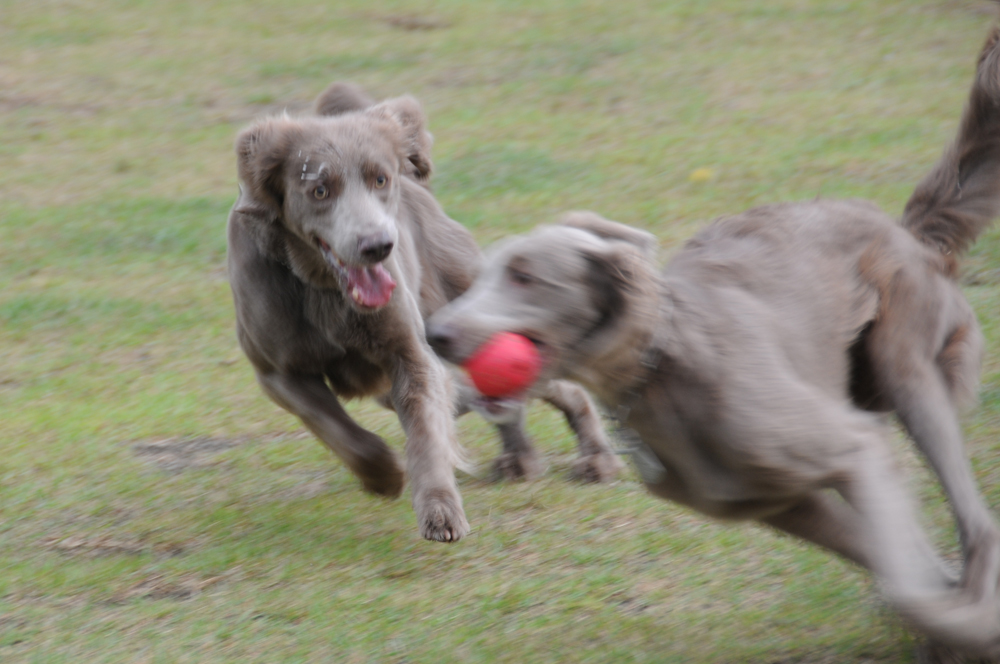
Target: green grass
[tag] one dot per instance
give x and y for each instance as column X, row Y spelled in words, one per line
column 247, row 541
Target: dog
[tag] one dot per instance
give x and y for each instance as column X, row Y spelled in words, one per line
column 751, row 369
column 337, row 253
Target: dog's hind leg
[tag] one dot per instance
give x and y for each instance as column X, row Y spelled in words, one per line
column 828, row 444
column 900, row 555
column 597, row 461
column 365, row 454
column 929, row 417
column 824, row 519
column 921, row 395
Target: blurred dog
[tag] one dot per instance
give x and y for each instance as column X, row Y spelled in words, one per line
column 746, row 366
column 337, row 252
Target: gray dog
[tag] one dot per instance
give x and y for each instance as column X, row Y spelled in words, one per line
column 337, row 252
column 746, row 367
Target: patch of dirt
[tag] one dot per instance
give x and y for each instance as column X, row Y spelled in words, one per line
column 287, row 618
column 413, row 22
column 10, row 383
column 102, row 545
column 158, row 587
column 10, row 102
column 175, row 455
column 632, row 606
column 311, row 485
column 12, row 622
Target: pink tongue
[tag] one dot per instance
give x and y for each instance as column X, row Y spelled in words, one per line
column 370, row 286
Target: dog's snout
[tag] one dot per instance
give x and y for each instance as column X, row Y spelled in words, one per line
column 442, row 339
column 375, row 248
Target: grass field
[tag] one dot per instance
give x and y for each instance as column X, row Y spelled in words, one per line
column 155, row 507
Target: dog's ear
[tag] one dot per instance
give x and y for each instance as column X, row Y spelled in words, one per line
column 342, row 98
column 613, row 279
column 610, row 230
column 261, row 152
column 625, row 291
column 408, row 114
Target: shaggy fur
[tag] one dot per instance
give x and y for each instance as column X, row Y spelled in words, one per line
column 750, row 365
column 337, row 252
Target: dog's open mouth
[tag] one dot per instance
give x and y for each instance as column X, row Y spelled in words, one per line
column 370, row 286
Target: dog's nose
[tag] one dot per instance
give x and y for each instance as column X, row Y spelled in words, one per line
column 375, row 248
column 441, row 338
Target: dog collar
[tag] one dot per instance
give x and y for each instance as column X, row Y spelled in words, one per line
column 629, row 442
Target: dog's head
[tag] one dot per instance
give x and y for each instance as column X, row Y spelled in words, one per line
column 332, row 185
column 585, row 292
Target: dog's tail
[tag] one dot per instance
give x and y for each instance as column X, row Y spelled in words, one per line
column 340, row 98
column 960, row 197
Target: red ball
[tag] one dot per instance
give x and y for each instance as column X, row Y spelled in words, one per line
column 506, row 364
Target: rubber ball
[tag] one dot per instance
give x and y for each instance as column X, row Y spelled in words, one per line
column 506, row 364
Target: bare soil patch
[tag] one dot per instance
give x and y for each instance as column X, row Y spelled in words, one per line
column 412, row 22
column 175, row 455
column 104, row 545
column 159, row 587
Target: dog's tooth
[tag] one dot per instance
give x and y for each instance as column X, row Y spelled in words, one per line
column 356, row 294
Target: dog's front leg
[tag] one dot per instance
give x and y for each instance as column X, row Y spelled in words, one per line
column 421, row 396
column 365, row 454
column 597, row 461
column 518, row 460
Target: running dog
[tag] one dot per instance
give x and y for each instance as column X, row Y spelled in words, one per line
column 749, row 368
column 337, row 253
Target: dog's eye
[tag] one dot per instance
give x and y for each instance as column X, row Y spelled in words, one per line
column 521, row 278
column 380, row 181
column 321, row 192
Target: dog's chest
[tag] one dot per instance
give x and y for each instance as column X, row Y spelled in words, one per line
column 329, row 314
column 358, row 348
column 687, row 461
column 682, row 440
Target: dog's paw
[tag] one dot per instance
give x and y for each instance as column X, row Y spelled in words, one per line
column 982, row 564
column 517, row 466
column 382, row 475
column 440, row 515
column 600, row 467
column 935, row 653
